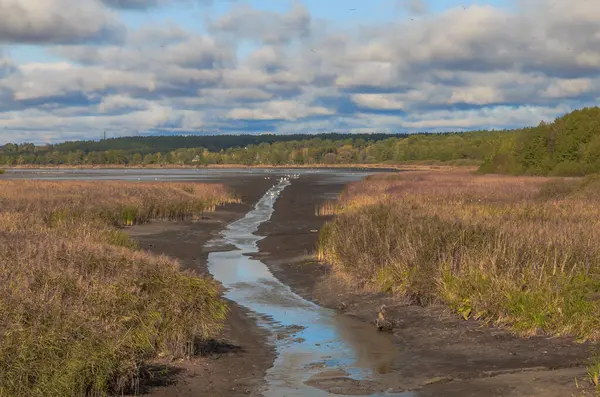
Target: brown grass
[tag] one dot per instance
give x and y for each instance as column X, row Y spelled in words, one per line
column 117, row 203
column 80, row 311
column 523, row 252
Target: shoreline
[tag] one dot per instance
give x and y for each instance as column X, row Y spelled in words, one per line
column 438, row 353
column 361, row 167
column 235, row 363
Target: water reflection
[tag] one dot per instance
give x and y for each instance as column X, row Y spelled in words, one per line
column 325, row 343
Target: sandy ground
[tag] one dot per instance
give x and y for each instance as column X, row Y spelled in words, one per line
column 436, row 353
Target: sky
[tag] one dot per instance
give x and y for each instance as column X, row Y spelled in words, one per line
column 148, row 67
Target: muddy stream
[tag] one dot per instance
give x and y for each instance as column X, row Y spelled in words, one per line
column 319, row 352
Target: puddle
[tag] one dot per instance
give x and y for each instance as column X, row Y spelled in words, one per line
column 319, row 352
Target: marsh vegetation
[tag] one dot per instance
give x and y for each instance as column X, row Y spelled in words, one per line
column 523, row 252
column 81, row 310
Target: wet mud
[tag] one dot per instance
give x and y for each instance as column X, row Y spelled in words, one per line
column 236, row 363
column 326, row 352
column 435, row 352
column 295, row 330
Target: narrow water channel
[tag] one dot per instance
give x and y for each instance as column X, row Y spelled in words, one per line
column 319, row 352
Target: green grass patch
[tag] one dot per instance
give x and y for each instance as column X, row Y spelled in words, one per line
column 593, row 371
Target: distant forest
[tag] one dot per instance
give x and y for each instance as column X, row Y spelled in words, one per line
column 256, row 150
column 568, row 146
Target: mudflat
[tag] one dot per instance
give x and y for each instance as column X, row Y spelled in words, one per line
column 235, row 364
column 436, row 352
column 433, row 351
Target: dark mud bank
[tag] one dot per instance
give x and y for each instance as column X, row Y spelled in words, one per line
column 236, row 363
column 319, row 351
column 435, row 353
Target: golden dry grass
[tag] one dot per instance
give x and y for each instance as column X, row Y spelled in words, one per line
column 118, row 203
column 519, row 251
column 80, row 311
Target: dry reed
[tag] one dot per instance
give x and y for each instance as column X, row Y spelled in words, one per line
column 523, row 252
column 80, row 311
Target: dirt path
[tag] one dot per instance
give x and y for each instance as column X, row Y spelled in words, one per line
column 436, row 353
column 235, row 364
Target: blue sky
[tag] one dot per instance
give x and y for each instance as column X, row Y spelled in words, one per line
column 347, row 13
column 185, row 66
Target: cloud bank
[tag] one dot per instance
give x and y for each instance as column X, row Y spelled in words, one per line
column 262, row 71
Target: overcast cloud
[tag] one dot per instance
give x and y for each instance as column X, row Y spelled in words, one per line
column 256, row 70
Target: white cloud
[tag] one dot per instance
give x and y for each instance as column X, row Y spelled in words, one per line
column 114, row 103
column 278, row 110
column 51, row 80
column 476, row 95
column 248, row 23
column 368, row 73
column 57, row 21
column 569, row 88
column 472, row 67
column 379, row 101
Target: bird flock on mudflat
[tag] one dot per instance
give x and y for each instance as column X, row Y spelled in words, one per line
column 282, row 179
column 286, row 177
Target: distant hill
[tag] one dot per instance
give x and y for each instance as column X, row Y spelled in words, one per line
column 569, row 146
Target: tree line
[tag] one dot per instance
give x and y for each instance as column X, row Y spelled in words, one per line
column 569, row 146
column 339, row 149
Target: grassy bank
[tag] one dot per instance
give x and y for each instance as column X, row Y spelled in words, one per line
column 115, row 203
column 80, row 310
column 522, row 252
